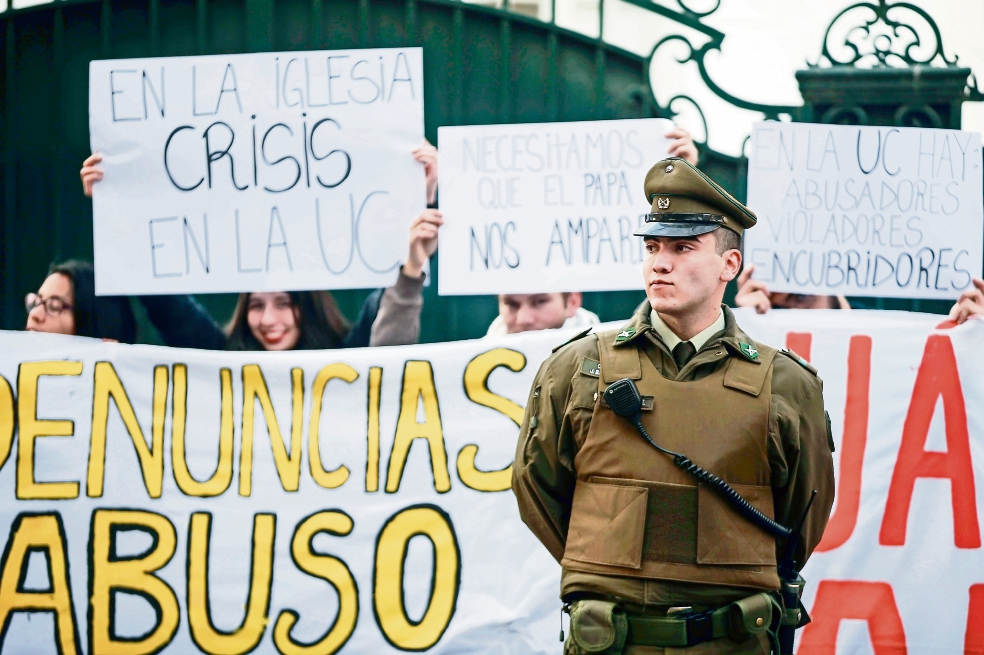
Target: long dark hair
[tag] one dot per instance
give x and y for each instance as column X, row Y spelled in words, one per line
column 321, row 323
column 102, row 317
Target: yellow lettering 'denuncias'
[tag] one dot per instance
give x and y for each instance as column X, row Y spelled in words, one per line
column 372, row 429
column 288, row 464
column 106, row 384
column 222, row 478
column 477, row 388
column 418, row 383
column 6, row 420
column 338, row 477
column 30, row 428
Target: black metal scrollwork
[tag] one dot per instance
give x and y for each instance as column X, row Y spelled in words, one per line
column 687, row 9
column 874, row 33
column 973, row 92
column 882, row 40
column 845, row 115
column 698, row 55
column 918, row 116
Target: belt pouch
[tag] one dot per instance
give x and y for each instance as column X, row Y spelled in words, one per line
column 749, row 616
column 597, row 627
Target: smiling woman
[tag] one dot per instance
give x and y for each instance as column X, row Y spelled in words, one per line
column 301, row 320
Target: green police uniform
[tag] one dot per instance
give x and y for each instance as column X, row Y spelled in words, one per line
column 629, row 527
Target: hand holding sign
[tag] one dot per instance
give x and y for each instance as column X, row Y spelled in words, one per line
column 971, row 303
column 752, row 293
column 427, row 155
column 423, row 241
column 91, row 173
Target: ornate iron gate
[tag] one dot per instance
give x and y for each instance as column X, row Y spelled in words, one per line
column 482, row 65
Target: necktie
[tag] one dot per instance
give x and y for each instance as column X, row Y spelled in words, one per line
column 683, row 352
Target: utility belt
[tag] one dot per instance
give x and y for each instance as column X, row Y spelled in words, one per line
column 601, row 627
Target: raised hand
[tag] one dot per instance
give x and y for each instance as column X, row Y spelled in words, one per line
column 423, row 241
column 971, row 303
column 682, row 145
column 752, row 293
column 427, row 155
column 90, row 173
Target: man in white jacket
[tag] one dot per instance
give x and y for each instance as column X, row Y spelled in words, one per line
column 539, row 311
column 545, row 311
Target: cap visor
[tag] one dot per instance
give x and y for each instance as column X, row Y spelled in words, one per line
column 675, row 229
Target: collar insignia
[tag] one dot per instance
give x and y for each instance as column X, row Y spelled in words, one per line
column 748, row 350
column 625, row 334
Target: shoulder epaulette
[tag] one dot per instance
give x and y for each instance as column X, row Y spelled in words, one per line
column 579, row 335
column 799, row 360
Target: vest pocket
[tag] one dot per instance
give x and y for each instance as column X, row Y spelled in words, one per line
column 608, row 524
column 726, row 537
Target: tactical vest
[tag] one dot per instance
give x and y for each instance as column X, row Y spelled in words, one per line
column 635, row 514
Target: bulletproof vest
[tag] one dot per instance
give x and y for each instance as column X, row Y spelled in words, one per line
column 635, row 514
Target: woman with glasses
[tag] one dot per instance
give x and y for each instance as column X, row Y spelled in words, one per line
column 66, row 303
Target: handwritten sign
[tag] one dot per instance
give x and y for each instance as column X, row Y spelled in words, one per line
column 273, row 171
column 545, row 207
column 865, row 211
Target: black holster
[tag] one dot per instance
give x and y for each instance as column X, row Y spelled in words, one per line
column 794, row 615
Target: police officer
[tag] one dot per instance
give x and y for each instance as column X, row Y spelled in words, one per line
column 653, row 560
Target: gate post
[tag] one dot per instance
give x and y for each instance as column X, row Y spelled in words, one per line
column 883, row 71
column 916, row 96
column 877, row 69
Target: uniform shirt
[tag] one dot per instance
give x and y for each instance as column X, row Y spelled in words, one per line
column 670, row 338
column 799, row 450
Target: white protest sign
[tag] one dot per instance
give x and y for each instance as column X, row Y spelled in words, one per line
column 545, row 207
column 865, row 211
column 272, row 171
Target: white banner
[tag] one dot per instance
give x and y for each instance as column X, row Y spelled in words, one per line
column 865, row 211
column 545, row 207
column 272, row 171
column 359, row 499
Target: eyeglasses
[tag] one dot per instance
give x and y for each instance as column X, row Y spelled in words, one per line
column 52, row 306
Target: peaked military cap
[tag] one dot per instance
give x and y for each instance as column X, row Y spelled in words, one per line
column 687, row 203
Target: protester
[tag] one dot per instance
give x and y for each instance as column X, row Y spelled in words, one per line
column 309, row 319
column 66, row 303
column 970, row 304
column 540, row 311
column 523, row 312
column 755, row 293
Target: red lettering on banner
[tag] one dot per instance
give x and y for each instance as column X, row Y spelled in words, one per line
column 872, row 602
column 974, row 637
column 937, row 377
column 845, row 515
column 800, row 343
